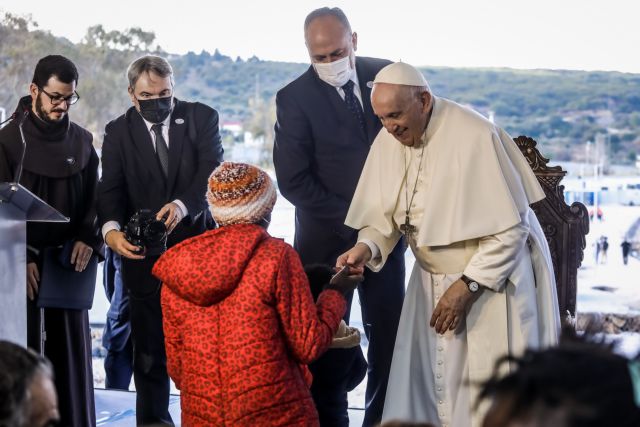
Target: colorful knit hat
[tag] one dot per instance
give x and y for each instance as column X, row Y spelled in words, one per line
column 239, row 193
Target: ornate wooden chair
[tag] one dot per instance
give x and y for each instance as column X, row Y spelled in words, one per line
column 564, row 226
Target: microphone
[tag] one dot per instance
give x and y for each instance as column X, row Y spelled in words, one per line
column 11, row 117
column 22, row 117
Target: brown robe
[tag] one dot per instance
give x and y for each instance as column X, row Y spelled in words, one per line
column 60, row 167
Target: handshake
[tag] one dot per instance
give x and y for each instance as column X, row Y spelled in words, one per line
column 346, row 279
column 322, row 277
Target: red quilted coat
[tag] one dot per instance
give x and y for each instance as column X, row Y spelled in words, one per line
column 240, row 326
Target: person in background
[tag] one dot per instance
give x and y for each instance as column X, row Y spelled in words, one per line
column 626, row 248
column 61, row 168
column 325, row 127
column 27, row 393
column 240, row 322
column 347, row 363
column 605, row 247
column 157, row 156
column 579, row 383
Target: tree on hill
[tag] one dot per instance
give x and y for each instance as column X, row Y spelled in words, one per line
column 131, row 39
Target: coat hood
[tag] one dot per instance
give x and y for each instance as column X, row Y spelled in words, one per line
column 219, row 256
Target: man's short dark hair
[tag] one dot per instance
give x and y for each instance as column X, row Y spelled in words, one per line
column 18, row 367
column 328, row 11
column 55, row 65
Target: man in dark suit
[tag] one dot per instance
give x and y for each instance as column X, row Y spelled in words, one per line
column 157, row 156
column 324, row 130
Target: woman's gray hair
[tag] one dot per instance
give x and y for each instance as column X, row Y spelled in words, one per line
column 146, row 64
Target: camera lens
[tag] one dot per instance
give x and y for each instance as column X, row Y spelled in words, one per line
column 146, row 232
column 155, row 231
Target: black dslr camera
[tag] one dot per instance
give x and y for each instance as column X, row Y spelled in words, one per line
column 145, row 231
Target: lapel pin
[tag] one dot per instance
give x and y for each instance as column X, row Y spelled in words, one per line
column 179, row 121
column 70, row 160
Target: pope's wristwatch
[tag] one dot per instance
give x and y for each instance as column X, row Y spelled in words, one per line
column 472, row 285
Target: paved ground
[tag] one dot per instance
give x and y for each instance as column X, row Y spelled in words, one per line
column 609, row 286
column 115, row 409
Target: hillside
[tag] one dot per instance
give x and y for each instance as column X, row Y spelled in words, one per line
column 561, row 109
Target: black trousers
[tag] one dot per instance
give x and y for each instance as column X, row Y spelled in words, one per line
column 118, row 367
column 68, row 347
column 381, row 296
column 116, row 338
column 149, row 357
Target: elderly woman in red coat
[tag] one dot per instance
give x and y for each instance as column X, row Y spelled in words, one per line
column 240, row 323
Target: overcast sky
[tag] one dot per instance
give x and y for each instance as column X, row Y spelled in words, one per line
column 555, row 34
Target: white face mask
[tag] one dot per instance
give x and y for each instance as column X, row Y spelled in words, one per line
column 335, row 73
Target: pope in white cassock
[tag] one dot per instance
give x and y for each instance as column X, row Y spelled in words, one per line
column 458, row 187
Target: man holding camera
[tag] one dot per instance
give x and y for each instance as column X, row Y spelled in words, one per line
column 156, row 158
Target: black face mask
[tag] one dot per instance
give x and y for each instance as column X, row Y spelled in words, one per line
column 155, row 110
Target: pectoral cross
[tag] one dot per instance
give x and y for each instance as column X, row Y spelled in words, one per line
column 406, row 228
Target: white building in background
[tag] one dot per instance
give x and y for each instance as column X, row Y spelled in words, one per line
column 234, row 128
column 624, row 190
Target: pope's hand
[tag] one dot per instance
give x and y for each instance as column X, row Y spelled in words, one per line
column 356, row 257
column 452, row 307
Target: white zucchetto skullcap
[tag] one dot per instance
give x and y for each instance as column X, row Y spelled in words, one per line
column 400, row 73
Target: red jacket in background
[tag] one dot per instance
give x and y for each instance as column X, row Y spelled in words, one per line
column 240, row 326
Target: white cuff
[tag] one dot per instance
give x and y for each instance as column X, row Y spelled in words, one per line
column 109, row 226
column 182, row 207
column 375, row 251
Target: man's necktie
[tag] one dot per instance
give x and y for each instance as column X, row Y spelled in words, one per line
column 353, row 104
column 161, row 149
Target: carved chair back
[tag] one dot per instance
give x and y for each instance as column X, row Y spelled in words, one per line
column 565, row 227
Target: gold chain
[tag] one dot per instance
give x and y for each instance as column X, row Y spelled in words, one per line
column 407, row 228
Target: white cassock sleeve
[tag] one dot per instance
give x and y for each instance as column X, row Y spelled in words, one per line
column 380, row 245
column 497, row 256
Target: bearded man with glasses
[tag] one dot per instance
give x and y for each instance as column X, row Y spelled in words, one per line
column 59, row 99
column 60, row 166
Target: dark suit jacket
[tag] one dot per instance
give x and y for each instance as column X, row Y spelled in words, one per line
column 132, row 178
column 319, row 152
